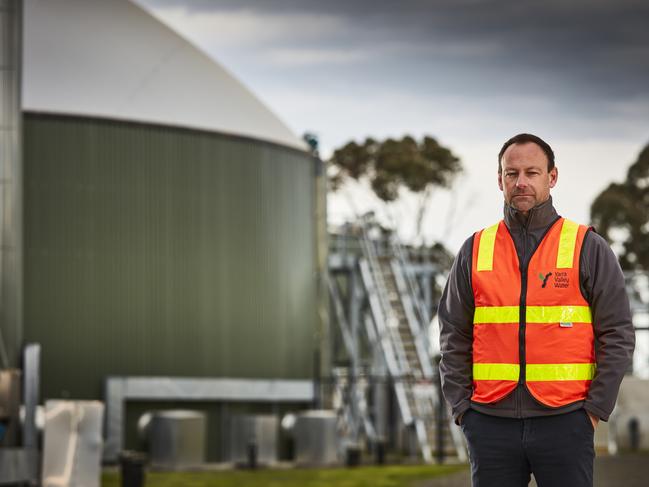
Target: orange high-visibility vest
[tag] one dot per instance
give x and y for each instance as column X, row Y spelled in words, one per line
column 531, row 326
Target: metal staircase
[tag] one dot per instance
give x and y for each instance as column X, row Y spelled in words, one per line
column 400, row 319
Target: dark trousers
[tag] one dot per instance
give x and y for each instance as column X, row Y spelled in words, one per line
column 558, row 450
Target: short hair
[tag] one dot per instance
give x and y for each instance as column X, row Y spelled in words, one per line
column 524, row 139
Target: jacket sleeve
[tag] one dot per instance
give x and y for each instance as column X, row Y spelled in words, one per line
column 455, row 315
column 602, row 284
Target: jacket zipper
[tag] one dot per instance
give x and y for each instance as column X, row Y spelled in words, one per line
column 521, row 328
column 524, row 266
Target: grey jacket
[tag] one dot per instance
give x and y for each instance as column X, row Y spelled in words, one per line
column 602, row 284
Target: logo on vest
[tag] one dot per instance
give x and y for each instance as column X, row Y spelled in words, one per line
column 561, row 280
column 544, row 279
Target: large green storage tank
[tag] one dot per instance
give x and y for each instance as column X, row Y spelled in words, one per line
column 171, row 220
column 156, row 250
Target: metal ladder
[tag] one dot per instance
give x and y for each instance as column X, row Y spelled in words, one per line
column 401, row 318
column 429, row 394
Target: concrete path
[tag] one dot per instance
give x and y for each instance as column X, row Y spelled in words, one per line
column 622, row 470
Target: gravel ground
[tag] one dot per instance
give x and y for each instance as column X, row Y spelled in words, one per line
column 623, row 470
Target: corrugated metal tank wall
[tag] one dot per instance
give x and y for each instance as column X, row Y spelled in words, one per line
column 161, row 251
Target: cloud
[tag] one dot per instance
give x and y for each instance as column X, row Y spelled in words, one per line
column 246, row 27
column 586, row 48
column 308, row 57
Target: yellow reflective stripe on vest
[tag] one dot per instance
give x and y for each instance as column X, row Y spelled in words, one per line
column 496, row 314
column 554, row 372
column 486, row 248
column 496, row 371
column 558, row 314
column 567, row 242
column 534, row 314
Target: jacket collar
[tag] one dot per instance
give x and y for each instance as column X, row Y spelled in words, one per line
column 538, row 218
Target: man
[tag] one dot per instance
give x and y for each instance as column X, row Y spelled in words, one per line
column 536, row 333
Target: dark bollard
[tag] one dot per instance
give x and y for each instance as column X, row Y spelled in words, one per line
column 132, row 468
column 379, row 451
column 353, row 456
column 290, row 449
column 634, row 434
column 252, row 455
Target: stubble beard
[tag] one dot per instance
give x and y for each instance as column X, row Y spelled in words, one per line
column 528, row 202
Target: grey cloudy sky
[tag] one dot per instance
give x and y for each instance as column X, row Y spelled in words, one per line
column 469, row 72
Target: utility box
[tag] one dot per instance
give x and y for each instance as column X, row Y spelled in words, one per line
column 316, row 438
column 176, row 439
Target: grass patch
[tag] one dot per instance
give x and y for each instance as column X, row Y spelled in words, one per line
column 387, row 476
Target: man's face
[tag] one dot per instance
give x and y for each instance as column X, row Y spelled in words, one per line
column 525, row 180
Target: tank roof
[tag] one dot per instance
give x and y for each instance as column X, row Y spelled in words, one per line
column 112, row 59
